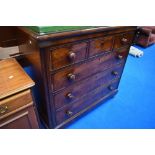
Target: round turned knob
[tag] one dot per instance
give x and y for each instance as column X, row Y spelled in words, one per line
column 124, row 40
column 70, row 96
column 71, row 77
column 69, row 113
column 120, row 57
column 115, row 73
column 111, row 88
column 72, row 56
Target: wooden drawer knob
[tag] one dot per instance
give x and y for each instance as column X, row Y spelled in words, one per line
column 124, row 40
column 72, row 56
column 111, row 88
column 115, row 73
column 69, row 113
column 71, row 77
column 70, row 96
column 3, row 109
column 120, row 57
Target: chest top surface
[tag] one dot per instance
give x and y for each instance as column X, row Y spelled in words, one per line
column 13, row 79
column 43, row 33
column 57, row 29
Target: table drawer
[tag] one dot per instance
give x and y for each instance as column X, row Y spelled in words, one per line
column 70, row 110
column 73, row 74
column 100, row 45
column 123, row 39
column 67, row 54
column 11, row 104
column 75, row 92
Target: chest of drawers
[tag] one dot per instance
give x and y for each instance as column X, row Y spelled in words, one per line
column 75, row 70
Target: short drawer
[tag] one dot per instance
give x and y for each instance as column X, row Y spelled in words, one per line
column 11, row 104
column 67, row 54
column 75, row 92
column 100, row 45
column 72, row 74
column 70, row 111
column 123, row 40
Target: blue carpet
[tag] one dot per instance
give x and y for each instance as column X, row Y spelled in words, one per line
column 134, row 105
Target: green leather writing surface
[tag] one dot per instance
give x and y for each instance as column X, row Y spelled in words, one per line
column 56, row 29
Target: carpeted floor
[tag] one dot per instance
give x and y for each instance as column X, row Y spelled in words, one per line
column 133, row 106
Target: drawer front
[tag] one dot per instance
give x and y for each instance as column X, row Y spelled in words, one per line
column 123, row 40
column 70, row 110
column 68, row 54
column 71, row 75
column 23, row 119
column 101, row 45
column 75, row 92
column 13, row 103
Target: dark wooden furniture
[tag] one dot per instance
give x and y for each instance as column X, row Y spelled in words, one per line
column 8, row 36
column 16, row 103
column 75, row 70
column 145, row 36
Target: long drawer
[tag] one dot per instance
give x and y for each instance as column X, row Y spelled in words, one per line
column 69, row 111
column 76, row 73
column 75, row 92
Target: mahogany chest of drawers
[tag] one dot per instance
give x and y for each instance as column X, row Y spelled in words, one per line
column 75, row 70
column 16, row 103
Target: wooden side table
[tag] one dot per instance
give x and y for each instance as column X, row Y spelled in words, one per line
column 17, row 110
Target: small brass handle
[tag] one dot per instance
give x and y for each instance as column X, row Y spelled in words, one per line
column 115, row 73
column 111, row 88
column 70, row 96
column 72, row 56
column 3, row 109
column 71, row 77
column 124, row 40
column 120, row 57
column 69, row 113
